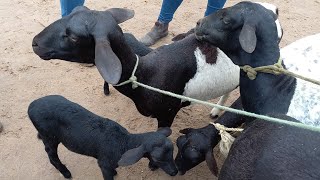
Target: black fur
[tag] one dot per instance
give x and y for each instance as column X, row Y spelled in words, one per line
column 168, row 67
column 196, row 144
column 59, row 120
column 266, row 150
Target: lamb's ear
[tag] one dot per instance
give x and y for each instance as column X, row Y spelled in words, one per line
column 165, row 131
column 79, row 8
column 248, row 38
column 211, row 163
column 107, row 62
column 186, row 130
column 121, row 14
column 131, row 156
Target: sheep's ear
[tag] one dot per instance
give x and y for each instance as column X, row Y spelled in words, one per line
column 79, row 8
column 165, row 131
column 131, row 156
column 186, row 130
column 107, row 62
column 211, row 162
column 121, row 14
column 247, row 38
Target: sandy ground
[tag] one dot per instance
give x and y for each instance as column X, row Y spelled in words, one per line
column 24, row 77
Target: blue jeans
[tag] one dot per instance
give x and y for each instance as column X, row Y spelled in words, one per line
column 68, row 5
column 169, row 7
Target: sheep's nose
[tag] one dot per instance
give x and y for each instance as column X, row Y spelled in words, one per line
column 199, row 23
column 34, row 43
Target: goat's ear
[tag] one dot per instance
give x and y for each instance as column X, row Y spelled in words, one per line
column 165, row 131
column 107, row 62
column 186, row 130
column 131, row 156
column 212, row 164
column 79, row 8
column 121, row 14
column 248, row 38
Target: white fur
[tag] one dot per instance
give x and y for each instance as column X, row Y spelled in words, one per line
column 303, row 57
column 212, row 80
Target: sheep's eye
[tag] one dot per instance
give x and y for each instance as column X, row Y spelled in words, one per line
column 226, row 20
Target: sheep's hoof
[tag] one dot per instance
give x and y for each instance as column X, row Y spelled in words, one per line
column 106, row 89
column 214, row 116
column 67, row 175
column 1, row 127
column 106, row 92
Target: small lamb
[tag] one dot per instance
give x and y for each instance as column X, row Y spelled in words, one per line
column 59, row 120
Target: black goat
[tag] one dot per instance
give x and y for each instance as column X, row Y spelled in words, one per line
column 182, row 67
column 266, row 150
column 59, row 120
column 196, row 145
column 247, row 33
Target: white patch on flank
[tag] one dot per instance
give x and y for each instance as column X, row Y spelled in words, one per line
column 303, row 57
column 212, row 80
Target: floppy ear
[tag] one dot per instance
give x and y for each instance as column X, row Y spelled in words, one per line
column 212, row 164
column 121, row 14
column 131, row 156
column 186, row 130
column 107, row 63
column 247, row 38
column 79, row 8
column 165, row 131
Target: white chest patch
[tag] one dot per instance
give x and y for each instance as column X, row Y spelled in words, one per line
column 212, row 80
column 303, row 57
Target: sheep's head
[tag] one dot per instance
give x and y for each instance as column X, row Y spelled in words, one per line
column 239, row 27
column 195, row 147
column 157, row 147
column 83, row 36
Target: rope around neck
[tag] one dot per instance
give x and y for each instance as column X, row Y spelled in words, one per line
column 132, row 78
column 275, row 69
column 226, row 138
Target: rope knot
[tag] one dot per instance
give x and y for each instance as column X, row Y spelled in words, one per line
column 134, row 79
column 226, row 138
column 251, row 72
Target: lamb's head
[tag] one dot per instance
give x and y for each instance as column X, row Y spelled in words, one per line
column 238, row 28
column 195, row 146
column 157, row 147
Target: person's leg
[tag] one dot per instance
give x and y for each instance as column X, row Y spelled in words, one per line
column 213, row 6
column 68, row 5
column 160, row 29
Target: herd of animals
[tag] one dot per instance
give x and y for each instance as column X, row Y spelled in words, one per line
column 203, row 64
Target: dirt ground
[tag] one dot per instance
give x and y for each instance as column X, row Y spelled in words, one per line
column 24, row 77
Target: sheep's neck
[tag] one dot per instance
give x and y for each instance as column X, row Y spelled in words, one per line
column 268, row 92
column 138, row 139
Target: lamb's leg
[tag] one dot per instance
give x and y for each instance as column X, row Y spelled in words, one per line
column 106, row 89
column 51, row 147
column 107, row 172
column 215, row 111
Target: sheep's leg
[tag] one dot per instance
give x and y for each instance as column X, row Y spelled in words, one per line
column 152, row 165
column 107, row 172
column 215, row 111
column 51, row 147
column 165, row 119
column 106, row 89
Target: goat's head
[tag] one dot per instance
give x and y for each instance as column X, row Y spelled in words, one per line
column 239, row 28
column 195, row 147
column 83, row 36
column 156, row 146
